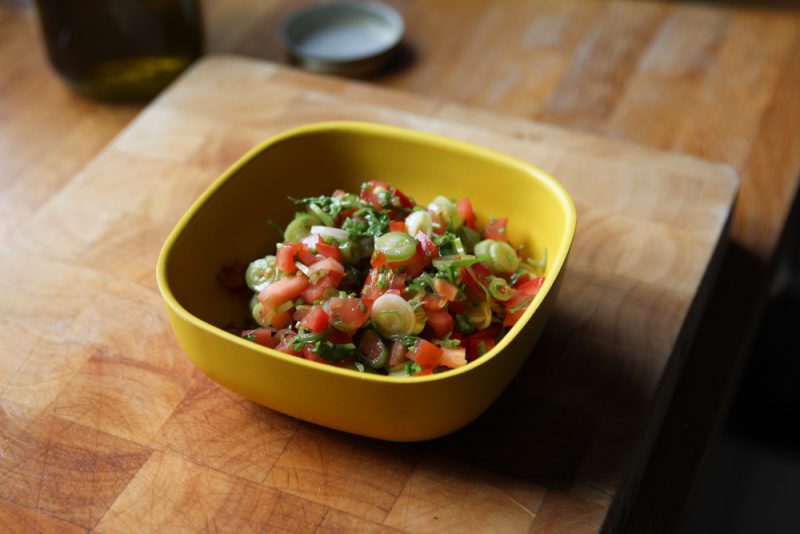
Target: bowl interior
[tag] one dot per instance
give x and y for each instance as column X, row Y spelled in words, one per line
column 231, row 220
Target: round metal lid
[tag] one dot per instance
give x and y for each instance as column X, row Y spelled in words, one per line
column 352, row 38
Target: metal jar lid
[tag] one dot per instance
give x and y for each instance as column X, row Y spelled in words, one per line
column 351, row 38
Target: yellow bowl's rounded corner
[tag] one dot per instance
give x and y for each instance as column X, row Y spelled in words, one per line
column 326, row 395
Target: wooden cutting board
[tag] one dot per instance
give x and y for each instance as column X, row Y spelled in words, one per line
column 106, row 425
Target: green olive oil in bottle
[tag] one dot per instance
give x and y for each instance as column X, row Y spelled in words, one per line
column 121, row 50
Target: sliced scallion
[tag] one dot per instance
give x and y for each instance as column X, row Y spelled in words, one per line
column 499, row 288
column 300, row 227
column 326, row 219
column 396, row 246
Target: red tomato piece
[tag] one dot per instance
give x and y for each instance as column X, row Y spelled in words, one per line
column 369, row 192
column 262, row 336
column 445, row 289
column 306, row 257
column 453, row 358
column 338, row 337
column 477, row 346
column 531, row 286
column 347, row 314
column 440, row 321
column 405, row 202
column 414, row 265
column 458, row 306
column 433, row 302
column 281, row 320
column 397, row 226
column 317, row 291
column 327, row 265
column 425, row 353
column 315, row 320
column 309, row 354
column 284, row 345
column 464, row 207
column 329, row 251
column 428, row 246
column 373, row 286
column 378, row 260
column 285, row 257
column 281, row 291
column 496, row 229
column 516, row 306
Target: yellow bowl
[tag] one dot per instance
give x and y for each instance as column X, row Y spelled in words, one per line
column 230, row 221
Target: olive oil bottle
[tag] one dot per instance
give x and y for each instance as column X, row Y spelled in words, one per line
column 121, row 50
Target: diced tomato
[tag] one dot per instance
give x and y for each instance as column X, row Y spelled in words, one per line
column 343, row 215
column 496, row 229
column 281, row 291
column 458, row 306
column 300, row 313
column 329, row 251
column 531, row 286
column 327, row 265
column 440, row 321
column 425, row 372
column 405, row 202
column 425, row 353
column 428, row 246
column 262, row 336
column 316, row 292
column 285, row 257
column 397, row 353
column 398, row 281
column 347, row 314
column 375, row 284
column 309, row 354
column 369, row 192
column 478, row 346
column 516, row 306
column 482, row 339
column 281, row 320
column 284, row 345
column 315, row 320
column 464, row 207
column 453, row 358
column 397, row 226
column 433, row 302
column 414, row 265
column 445, row 289
column 338, row 337
column 481, row 271
column 475, row 277
column 439, row 224
column 490, row 332
column 306, row 257
column 378, row 260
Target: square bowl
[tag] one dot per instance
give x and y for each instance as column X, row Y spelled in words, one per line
column 230, row 221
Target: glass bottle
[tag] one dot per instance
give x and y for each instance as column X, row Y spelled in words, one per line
column 121, row 49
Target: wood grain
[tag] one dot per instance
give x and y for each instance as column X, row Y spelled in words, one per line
column 102, row 365
column 717, row 80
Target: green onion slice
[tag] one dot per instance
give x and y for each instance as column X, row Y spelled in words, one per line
column 300, row 227
column 499, row 289
column 326, row 219
column 396, row 246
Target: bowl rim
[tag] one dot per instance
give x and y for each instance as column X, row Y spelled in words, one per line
column 395, row 133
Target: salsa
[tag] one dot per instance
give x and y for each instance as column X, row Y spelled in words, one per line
column 377, row 283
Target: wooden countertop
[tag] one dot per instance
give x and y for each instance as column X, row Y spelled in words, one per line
column 718, row 80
